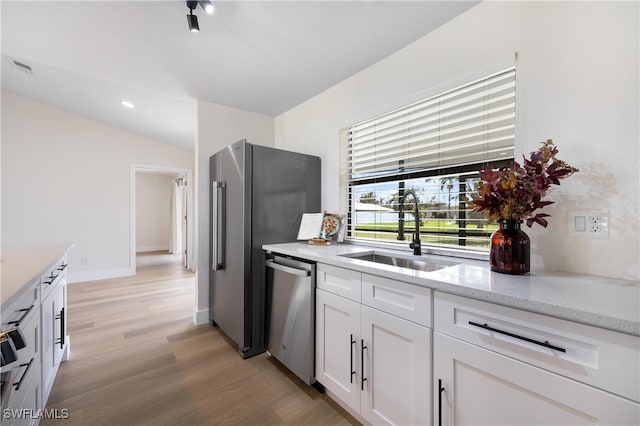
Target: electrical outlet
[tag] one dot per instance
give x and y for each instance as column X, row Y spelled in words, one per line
column 589, row 224
column 84, row 261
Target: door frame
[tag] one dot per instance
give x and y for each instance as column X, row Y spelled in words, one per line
column 148, row 168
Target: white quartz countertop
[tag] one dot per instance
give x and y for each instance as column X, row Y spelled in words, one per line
column 21, row 265
column 602, row 302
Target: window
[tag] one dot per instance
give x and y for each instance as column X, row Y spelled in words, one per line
column 436, row 148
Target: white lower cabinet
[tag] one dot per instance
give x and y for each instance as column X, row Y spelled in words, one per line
column 476, row 386
column 53, row 334
column 337, row 355
column 376, row 363
column 396, row 369
column 25, row 403
column 24, row 378
column 37, row 311
column 396, row 353
column 494, row 365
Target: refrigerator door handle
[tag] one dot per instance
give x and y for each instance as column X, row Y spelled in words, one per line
column 218, row 225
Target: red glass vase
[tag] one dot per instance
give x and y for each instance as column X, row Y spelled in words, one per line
column 510, row 248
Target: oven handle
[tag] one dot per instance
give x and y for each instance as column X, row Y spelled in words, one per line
column 288, row 269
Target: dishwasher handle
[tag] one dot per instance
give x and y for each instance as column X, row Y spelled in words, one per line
column 288, row 269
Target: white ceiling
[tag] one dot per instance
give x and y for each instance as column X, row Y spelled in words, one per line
column 261, row 56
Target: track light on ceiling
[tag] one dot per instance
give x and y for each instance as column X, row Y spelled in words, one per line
column 191, row 18
column 207, row 5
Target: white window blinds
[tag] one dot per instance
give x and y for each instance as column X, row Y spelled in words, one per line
column 472, row 124
column 436, row 148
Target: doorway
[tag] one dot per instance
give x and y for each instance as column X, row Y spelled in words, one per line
column 161, row 216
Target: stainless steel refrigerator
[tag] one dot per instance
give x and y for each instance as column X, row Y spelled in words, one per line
column 258, row 195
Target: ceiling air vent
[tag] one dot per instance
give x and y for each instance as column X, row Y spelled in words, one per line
column 21, row 66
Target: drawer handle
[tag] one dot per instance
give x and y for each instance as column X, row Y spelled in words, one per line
column 52, row 279
column 26, row 370
column 25, row 313
column 546, row 344
column 62, row 267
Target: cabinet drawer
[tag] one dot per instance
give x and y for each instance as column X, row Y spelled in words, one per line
column 22, row 308
column 25, row 400
column 53, row 276
column 601, row 358
column 407, row 301
column 482, row 387
column 343, row 282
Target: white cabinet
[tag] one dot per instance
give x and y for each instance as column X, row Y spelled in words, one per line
column 26, row 398
column 482, row 387
column 21, row 378
column 337, row 354
column 54, row 339
column 378, row 364
column 502, row 366
column 34, row 295
column 396, row 368
column 342, row 282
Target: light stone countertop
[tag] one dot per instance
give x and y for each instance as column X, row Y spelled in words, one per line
column 608, row 303
column 19, row 266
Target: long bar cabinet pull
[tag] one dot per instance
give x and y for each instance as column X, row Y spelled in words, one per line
column 546, row 344
column 352, row 371
column 440, row 390
column 60, row 317
column 364, row 379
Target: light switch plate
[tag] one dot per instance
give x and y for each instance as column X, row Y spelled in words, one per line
column 589, row 224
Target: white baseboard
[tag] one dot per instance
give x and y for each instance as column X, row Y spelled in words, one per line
column 157, row 247
column 200, row 316
column 77, row 277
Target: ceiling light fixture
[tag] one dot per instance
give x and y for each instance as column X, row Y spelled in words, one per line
column 126, row 104
column 207, row 5
column 191, row 18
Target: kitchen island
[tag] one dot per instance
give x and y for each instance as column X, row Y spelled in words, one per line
column 33, row 328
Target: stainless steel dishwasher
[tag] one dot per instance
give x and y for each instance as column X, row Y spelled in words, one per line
column 291, row 314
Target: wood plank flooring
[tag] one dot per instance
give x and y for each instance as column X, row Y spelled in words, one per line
column 137, row 359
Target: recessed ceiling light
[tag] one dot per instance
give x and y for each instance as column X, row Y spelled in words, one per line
column 126, row 104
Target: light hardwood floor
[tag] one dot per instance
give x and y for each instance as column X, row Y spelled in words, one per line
column 136, row 359
column 157, row 258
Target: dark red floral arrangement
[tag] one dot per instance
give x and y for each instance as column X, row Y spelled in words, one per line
column 516, row 191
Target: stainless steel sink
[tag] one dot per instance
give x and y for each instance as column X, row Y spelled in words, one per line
column 417, row 263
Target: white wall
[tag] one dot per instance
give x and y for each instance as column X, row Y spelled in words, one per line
column 67, row 178
column 153, row 211
column 577, row 83
column 218, row 126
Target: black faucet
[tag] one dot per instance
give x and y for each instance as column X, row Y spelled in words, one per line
column 415, row 244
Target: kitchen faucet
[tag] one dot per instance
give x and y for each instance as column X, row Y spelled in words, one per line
column 415, row 244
